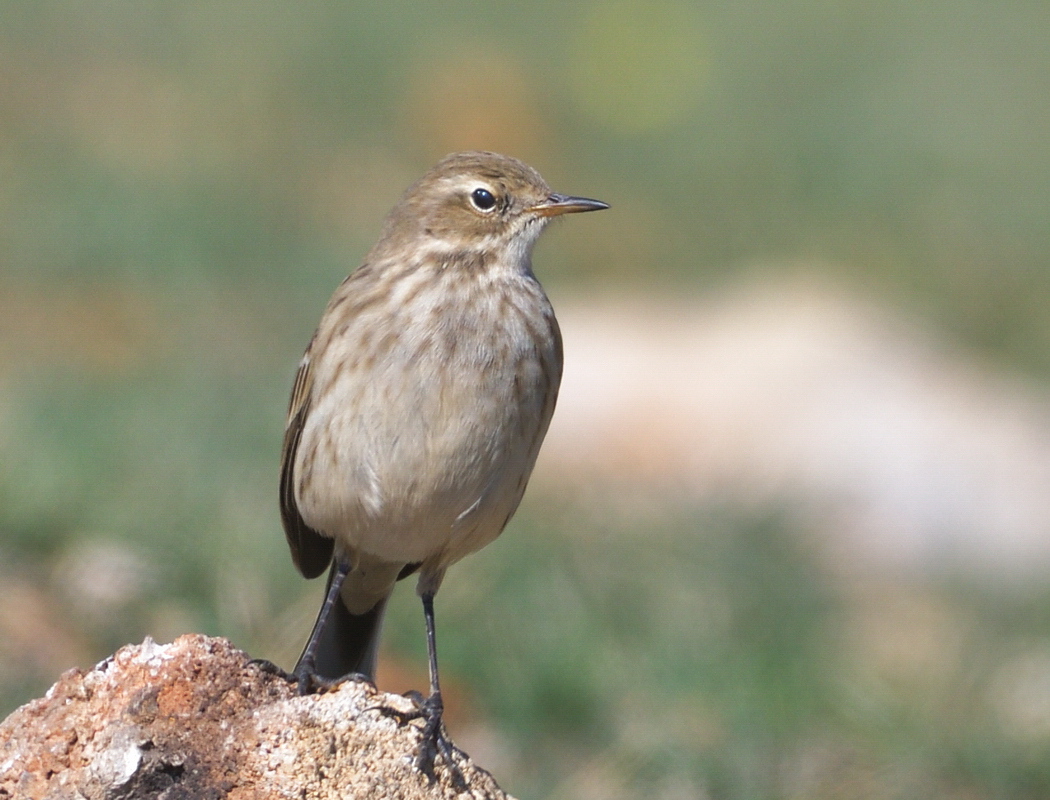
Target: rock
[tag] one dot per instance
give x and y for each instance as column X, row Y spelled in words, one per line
column 198, row 719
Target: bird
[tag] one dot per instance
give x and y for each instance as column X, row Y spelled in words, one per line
column 419, row 407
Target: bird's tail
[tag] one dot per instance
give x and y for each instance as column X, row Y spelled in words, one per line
column 347, row 644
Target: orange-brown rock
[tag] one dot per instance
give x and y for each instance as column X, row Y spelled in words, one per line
column 197, row 719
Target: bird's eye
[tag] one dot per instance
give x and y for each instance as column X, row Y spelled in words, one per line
column 482, row 199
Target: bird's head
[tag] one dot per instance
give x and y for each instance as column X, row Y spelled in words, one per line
column 479, row 200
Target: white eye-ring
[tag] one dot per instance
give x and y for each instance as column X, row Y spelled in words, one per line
column 482, row 199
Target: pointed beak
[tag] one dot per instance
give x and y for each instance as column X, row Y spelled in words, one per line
column 557, row 204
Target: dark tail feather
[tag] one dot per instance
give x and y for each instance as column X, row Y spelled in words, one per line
column 348, row 644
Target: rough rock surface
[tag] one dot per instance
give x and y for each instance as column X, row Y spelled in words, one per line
column 197, row 719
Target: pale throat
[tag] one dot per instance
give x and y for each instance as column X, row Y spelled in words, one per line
column 510, row 247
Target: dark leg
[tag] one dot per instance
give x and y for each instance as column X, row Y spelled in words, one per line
column 430, row 709
column 433, row 739
column 304, row 671
column 435, row 685
column 433, row 707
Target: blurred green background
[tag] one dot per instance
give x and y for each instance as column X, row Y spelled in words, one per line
column 182, row 185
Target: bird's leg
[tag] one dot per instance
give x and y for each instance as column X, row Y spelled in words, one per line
column 305, row 672
column 431, row 708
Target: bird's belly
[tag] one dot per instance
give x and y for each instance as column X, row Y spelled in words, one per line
column 422, row 462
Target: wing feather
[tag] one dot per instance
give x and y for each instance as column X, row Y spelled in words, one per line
column 311, row 551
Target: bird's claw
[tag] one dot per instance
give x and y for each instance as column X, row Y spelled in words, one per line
column 267, row 666
column 434, row 739
column 309, row 681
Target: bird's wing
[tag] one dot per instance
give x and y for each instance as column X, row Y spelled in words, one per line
column 311, row 551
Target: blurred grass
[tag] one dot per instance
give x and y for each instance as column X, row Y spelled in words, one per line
column 183, row 184
column 900, row 146
column 713, row 655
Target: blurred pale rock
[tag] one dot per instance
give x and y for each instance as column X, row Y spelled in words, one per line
column 196, row 719
column 902, row 451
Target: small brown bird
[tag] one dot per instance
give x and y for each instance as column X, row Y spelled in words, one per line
column 420, row 405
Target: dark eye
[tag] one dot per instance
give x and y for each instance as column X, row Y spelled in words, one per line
column 482, row 199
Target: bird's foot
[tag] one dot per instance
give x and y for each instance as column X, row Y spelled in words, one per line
column 310, row 681
column 270, row 668
column 307, row 680
column 434, row 739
